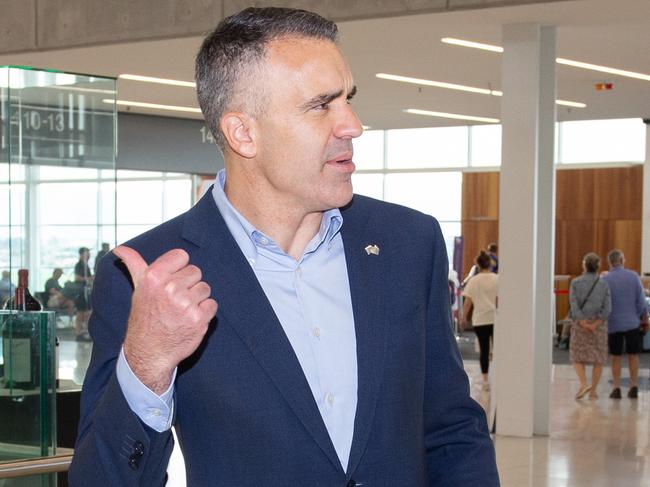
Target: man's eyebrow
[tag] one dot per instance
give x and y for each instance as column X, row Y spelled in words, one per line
column 326, row 98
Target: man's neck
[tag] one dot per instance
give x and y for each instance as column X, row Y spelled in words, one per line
column 290, row 229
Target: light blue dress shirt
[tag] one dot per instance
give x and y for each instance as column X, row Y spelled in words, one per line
column 311, row 298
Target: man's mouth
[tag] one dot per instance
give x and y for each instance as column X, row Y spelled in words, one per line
column 343, row 162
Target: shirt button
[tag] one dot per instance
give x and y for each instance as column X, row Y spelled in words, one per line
column 315, row 331
column 251, row 262
column 155, row 412
column 264, row 241
column 299, row 271
column 330, row 399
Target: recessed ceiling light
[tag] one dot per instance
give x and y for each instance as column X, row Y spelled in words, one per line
column 151, row 105
column 453, row 86
column 456, row 116
column 162, row 81
column 559, row 60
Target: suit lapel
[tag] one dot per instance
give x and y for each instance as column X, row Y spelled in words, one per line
column 367, row 274
column 244, row 306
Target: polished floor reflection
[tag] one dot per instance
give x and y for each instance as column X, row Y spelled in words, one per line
column 595, row 443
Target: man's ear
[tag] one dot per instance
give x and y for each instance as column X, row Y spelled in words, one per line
column 238, row 130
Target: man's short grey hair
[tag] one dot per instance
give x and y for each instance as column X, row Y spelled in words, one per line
column 615, row 257
column 234, row 50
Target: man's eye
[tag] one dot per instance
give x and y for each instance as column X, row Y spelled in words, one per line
column 322, row 106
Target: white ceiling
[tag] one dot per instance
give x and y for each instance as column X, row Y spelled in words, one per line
column 611, row 33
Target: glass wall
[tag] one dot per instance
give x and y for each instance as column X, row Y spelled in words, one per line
column 57, row 128
column 422, row 168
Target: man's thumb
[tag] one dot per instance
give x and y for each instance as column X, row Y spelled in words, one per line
column 133, row 262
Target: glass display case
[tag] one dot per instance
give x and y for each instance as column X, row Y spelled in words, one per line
column 27, row 384
column 58, row 134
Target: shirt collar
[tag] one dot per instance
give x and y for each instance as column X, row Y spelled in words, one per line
column 239, row 226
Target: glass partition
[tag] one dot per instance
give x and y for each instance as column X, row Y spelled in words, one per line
column 58, row 135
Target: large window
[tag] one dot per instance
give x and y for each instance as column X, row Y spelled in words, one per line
column 422, row 168
column 56, row 210
column 596, row 141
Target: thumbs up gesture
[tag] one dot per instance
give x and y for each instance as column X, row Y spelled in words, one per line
column 170, row 312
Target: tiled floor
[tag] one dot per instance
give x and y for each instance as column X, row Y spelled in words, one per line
column 592, row 443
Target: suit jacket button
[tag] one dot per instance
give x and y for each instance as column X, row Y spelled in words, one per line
column 351, row 483
column 138, row 448
column 134, row 463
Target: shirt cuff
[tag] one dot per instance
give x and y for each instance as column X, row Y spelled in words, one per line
column 155, row 411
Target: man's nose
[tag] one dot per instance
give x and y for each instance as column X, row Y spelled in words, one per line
column 348, row 125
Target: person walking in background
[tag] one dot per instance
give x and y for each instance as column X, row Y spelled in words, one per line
column 492, row 252
column 480, row 295
column 590, row 306
column 629, row 310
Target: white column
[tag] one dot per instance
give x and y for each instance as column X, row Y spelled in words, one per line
column 526, row 231
column 645, row 219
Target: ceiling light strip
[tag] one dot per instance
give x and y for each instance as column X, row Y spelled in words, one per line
column 603, row 69
column 155, row 106
column 573, row 104
column 559, row 60
column 452, row 86
column 455, row 116
column 162, row 81
column 437, row 84
column 475, row 45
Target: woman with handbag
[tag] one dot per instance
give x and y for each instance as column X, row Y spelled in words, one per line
column 590, row 306
column 480, row 304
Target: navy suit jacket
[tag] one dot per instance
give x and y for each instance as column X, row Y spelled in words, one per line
column 244, row 412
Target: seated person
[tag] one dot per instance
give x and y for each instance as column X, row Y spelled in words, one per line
column 54, row 294
column 7, row 288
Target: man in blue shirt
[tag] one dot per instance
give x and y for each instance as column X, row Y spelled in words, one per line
column 628, row 310
column 330, row 359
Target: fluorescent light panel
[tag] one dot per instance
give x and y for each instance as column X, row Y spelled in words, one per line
column 455, row 116
column 162, row 81
column 155, row 106
column 559, row 60
column 453, row 86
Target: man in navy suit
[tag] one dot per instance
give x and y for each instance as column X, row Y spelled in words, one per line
column 330, row 360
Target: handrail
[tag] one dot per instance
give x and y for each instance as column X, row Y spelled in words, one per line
column 37, row 466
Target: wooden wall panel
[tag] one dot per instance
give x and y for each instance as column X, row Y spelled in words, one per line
column 619, row 234
column 574, row 192
column 596, row 210
column 618, row 193
column 480, row 196
column 573, row 239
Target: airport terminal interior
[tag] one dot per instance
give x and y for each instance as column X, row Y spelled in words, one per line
column 523, row 123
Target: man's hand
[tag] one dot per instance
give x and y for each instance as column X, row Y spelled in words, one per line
column 170, row 312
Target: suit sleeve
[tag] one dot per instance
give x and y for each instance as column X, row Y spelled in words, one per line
column 460, row 452
column 113, row 446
